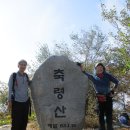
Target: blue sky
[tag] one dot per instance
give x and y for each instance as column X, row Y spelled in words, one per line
column 26, row 23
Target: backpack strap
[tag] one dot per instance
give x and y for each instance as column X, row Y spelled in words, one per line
column 13, row 89
column 30, row 104
column 27, row 78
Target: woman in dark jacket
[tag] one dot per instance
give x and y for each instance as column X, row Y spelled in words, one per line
column 101, row 81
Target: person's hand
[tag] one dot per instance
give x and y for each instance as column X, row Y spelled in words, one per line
column 9, row 105
column 112, row 93
column 80, row 65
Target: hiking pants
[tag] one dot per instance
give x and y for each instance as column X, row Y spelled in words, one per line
column 19, row 115
column 105, row 109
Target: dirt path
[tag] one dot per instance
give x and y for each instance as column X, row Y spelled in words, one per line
column 31, row 126
column 8, row 127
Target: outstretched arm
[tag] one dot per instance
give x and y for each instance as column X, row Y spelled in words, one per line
column 90, row 76
column 87, row 74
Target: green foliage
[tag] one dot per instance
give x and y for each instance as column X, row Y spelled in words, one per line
column 91, row 107
column 120, row 55
column 32, row 117
column 5, row 118
column 3, row 96
column 42, row 54
column 87, row 46
column 120, row 20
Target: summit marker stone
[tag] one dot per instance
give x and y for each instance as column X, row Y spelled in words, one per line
column 59, row 91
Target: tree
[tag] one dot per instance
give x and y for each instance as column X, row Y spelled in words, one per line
column 88, row 46
column 120, row 20
column 3, row 96
column 120, row 55
column 42, row 54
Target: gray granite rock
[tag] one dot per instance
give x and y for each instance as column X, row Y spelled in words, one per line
column 59, row 90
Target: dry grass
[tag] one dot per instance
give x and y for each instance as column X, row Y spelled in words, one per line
column 33, row 126
column 91, row 121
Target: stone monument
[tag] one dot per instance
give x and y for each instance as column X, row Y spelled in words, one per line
column 59, row 91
